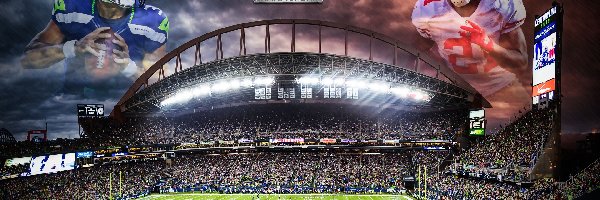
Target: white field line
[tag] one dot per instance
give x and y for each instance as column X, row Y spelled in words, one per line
column 203, row 194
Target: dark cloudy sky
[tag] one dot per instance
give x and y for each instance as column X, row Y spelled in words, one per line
column 28, row 98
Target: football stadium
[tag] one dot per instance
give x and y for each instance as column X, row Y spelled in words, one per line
column 277, row 104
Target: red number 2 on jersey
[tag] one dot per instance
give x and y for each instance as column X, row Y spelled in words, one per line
column 428, row 1
column 468, row 68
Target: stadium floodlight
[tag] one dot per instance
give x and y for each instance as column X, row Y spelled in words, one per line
column 418, row 96
column 378, row 87
column 401, row 91
column 234, row 84
column 205, row 89
column 179, row 97
column 220, row 87
column 308, row 80
column 198, row 91
column 165, row 102
column 356, row 84
column 327, row 81
column 247, row 82
column 339, row 81
column 263, row 80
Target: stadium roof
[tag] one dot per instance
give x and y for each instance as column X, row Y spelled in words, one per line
column 6, row 136
column 442, row 89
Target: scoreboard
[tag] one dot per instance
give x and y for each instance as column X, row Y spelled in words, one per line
column 546, row 56
column 477, row 122
column 90, row 110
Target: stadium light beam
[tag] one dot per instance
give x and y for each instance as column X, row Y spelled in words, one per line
column 339, row 81
column 234, row 84
column 263, row 80
column 401, row 91
column 247, row 82
column 327, row 81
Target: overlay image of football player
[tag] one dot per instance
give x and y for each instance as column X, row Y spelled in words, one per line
column 104, row 43
column 482, row 41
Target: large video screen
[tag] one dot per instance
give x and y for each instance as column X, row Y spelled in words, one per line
column 51, row 163
column 17, row 161
column 544, row 56
column 477, row 122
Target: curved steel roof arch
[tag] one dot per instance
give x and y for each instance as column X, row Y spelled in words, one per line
column 196, row 42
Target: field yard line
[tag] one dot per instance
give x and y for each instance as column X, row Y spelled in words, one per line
column 201, row 194
column 184, row 196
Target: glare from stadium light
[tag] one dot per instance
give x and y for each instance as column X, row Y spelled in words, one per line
column 166, row 102
column 308, row 80
column 339, row 81
column 234, row 84
column 418, row 96
column 351, row 83
column 263, row 80
column 247, row 82
column 426, row 97
column 205, row 89
column 220, row 87
column 401, row 91
column 378, row 87
column 356, row 83
column 179, row 97
column 197, row 92
column 327, row 81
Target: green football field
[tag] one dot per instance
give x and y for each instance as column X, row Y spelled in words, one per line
column 190, row 196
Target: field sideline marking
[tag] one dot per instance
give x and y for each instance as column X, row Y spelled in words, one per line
column 200, row 194
column 177, row 196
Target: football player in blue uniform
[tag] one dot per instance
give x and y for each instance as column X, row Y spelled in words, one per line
column 104, row 43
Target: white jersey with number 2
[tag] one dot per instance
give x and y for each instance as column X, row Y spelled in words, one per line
column 437, row 20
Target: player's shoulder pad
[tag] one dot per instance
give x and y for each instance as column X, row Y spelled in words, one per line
column 429, row 8
column 152, row 17
column 151, row 22
column 72, row 11
column 72, row 6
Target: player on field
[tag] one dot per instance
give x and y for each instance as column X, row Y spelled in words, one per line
column 103, row 42
column 482, row 41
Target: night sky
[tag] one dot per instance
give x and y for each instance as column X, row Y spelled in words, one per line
column 29, row 98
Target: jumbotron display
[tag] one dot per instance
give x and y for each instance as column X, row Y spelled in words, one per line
column 545, row 65
column 477, row 122
column 51, row 163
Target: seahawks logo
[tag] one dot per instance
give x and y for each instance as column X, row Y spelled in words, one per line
column 59, row 5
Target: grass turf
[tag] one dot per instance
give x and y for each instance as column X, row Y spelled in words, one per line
column 191, row 196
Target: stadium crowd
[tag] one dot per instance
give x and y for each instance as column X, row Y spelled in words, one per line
column 265, row 172
column 508, row 155
column 512, row 152
column 6, row 171
column 491, row 169
column 256, row 122
column 583, row 182
column 295, row 121
column 452, row 187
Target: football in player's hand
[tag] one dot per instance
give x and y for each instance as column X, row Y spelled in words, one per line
column 102, row 65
